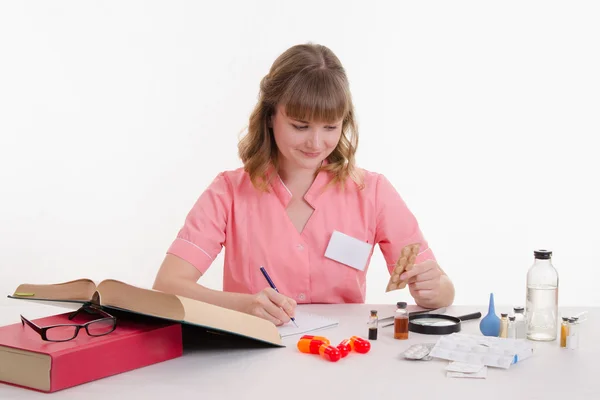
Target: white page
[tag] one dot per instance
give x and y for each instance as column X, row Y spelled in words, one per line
column 306, row 322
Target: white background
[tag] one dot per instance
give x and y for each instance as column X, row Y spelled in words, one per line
column 114, row 116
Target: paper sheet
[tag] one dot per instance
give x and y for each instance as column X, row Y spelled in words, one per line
column 306, row 322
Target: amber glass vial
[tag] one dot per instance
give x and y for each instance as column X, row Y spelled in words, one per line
column 401, row 322
column 401, row 328
column 564, row 332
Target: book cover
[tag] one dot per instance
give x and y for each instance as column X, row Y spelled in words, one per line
column 30, row 362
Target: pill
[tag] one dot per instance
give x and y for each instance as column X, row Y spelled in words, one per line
column 360, row 345
column 329, row 352
column 310, row 346
column 323, row 338
column 344, row 347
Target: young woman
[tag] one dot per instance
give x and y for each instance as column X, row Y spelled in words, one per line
column 299, row 207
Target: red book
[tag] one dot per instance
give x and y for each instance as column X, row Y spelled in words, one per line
column 30, row 362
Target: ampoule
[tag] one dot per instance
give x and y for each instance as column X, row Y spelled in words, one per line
column 573, row 337
column 503, row 325
column 512, row 327
column 564, row 332
column 520, row 323
column 373, row 325
column 401, row 321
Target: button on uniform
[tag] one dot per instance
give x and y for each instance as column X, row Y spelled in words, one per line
column 301, row 296
column 300, row 247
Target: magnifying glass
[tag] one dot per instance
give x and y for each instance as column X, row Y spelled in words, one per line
column 438, row 324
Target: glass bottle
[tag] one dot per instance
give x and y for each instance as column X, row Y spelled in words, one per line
column 542, row 298
column 512, row 327
column 564, row 332
column 373, row 325
column 503, row 325
column 573, row 336
column 401, row 321
column 520, row 323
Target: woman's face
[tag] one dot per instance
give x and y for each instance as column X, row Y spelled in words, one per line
column 304, row 144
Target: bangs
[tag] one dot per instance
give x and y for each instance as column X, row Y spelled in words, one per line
column 320, row 95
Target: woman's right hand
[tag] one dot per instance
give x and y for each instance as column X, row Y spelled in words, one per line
column 271, row 305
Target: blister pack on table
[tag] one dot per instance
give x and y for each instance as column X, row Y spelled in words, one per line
column 482, row 350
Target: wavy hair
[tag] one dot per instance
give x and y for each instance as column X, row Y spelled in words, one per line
column 311, row 84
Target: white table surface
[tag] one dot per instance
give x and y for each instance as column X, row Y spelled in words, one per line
column 285, row 373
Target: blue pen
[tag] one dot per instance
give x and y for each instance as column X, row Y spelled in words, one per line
column 268, row 278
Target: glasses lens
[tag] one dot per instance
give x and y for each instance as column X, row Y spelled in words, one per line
column 57, row 333
column 101, row 327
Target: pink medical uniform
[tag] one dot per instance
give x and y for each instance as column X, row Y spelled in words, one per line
column 256, row 231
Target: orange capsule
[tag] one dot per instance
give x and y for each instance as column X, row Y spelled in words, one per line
column 323, row 338
column 344, row 347
column 329, row 352
column 360, row 345
column 310, row 346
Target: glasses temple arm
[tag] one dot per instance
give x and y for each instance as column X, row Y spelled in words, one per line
column 31, row 324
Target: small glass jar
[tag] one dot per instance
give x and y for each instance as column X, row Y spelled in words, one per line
column 373, row 325
column 401, row 321
column 512, row 327
column 520, row 323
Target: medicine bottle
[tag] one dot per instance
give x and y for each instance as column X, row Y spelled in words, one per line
column 573, row 336
column 503, row 325
column 512, row 328
column 542, row 298
column 373, row 325
column 401, row 321
column 520, row 323
column 564, row 332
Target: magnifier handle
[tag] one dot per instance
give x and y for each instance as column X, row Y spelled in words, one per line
column 470, row 316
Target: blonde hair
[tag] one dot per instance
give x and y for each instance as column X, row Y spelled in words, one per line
column 311, row 84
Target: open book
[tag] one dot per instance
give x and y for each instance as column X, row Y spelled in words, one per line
column 113, row 294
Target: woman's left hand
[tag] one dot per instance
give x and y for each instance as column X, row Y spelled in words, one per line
column 424, row 282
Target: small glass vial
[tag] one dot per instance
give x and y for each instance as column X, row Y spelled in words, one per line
column 573, row 336
column 542, row 298
column 564, row 332
column 512, row 327
column 503, row 325
column 373, row 325
column 401, row 321
column 520, row 323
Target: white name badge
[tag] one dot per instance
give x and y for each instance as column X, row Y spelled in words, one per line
column 348, row 250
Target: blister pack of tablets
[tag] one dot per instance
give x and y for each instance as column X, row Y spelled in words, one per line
column 483, row 350
column 418, row 351
column 405, row 262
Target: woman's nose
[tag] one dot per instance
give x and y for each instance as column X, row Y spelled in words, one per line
column 313, row 140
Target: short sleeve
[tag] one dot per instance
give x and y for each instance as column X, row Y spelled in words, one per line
column 202, row 236
column 396, row 225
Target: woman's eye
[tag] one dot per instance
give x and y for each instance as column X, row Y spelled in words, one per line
column 300, row 127
column 330, row 128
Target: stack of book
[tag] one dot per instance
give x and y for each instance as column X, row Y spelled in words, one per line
column 148, row 330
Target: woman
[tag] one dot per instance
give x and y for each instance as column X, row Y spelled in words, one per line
column 299, row 207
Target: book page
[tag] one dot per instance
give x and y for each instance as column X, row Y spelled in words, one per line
column 307, row 323
column 78, row 290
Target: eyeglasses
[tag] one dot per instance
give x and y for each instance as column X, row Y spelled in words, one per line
column 66, row 332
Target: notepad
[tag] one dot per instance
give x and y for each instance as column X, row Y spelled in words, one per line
column 306, row 322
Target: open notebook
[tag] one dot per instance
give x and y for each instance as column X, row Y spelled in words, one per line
column 306, row 322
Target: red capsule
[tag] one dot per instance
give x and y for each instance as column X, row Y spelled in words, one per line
column 323, row 338
column 360, row 345
column 329, row 352
column 310, row 346
column 344, row 347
